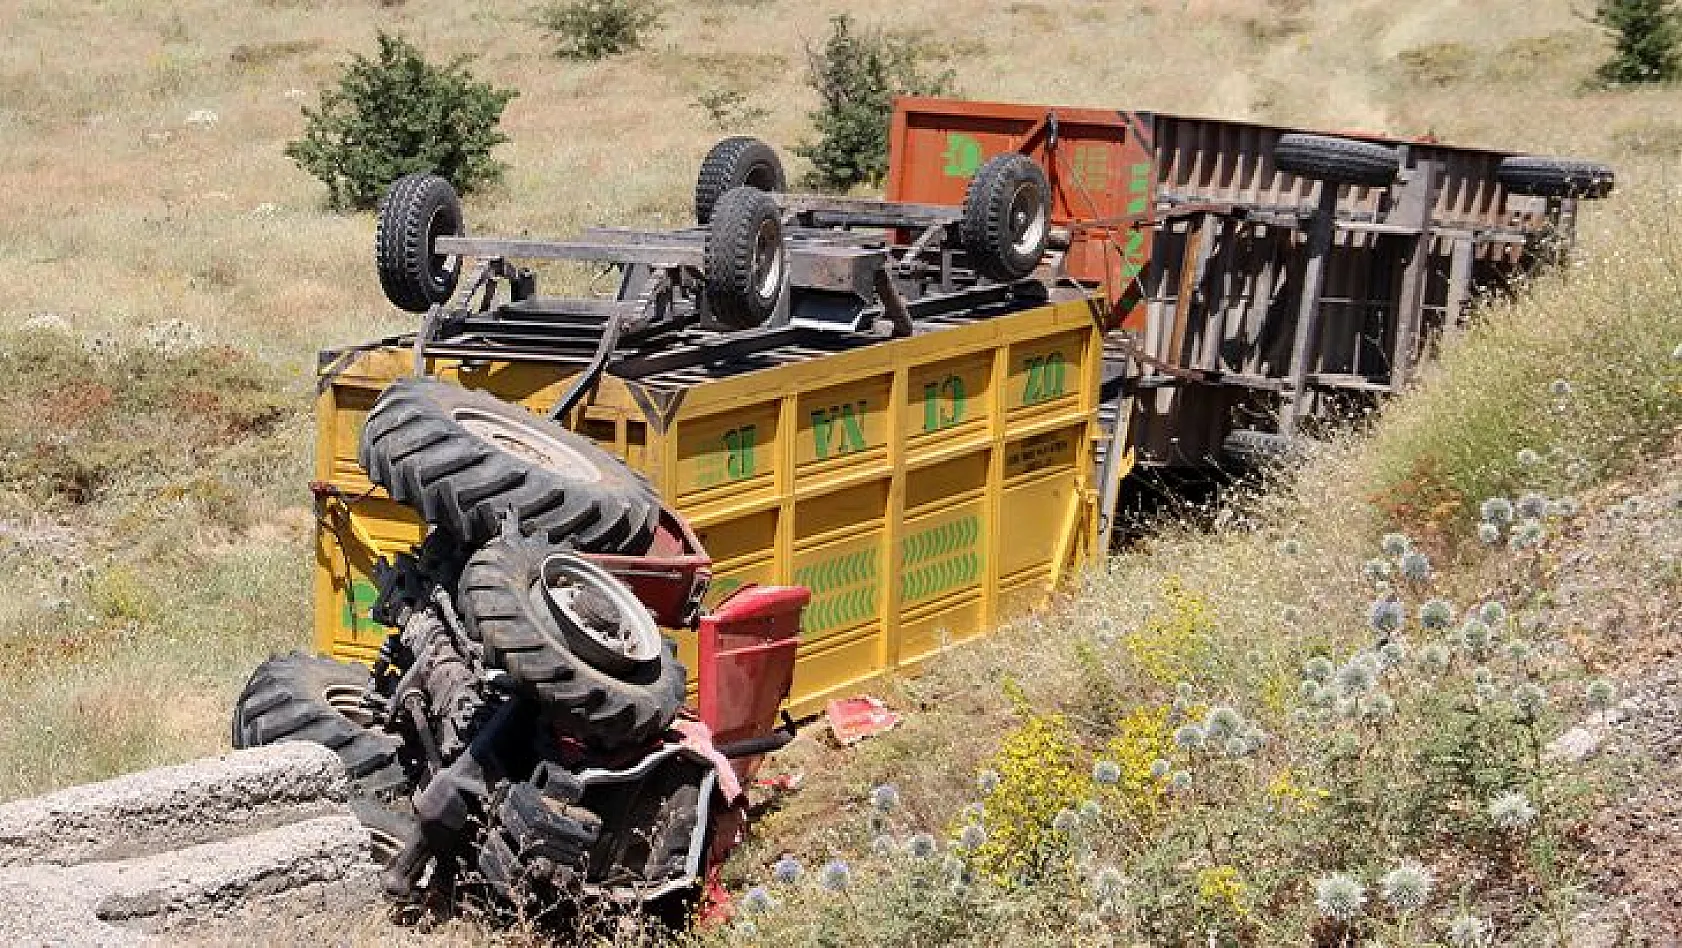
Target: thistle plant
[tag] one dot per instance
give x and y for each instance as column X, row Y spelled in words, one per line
column 758, row 901
column 1600, row 694
column 787, row 870
column 1189, row 737
column 1489, row 534
column 1526, row 535
column 921, row 846
column 1108, row 885
column 1493, row 612
column 1339, row 897
column 1532, row 505
column 885, row 798
column 972, row 837
column 1319, row 668
column 1528, row 457
column 1386, row 616
column 1436, row 614
column 1416, row 567
column 1559, row 388
column 1434, row 658
column 836, row 875
column 1529, row 699
column 1407, row 888
column 1475, row 637
column 1496, row 510
column 1180, row 782
column 1066, row 821
column 1376, row 570
column 1378, row 707
column 1511, row 811
column 1357, row 676
column 884, row 846
column 1391, row 655
column 987, row 781
column 1395, row 544
column 1160, row 768
column 1469, row 931
column 1222, row 722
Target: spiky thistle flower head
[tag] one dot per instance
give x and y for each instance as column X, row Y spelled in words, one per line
column 973, row 812
column 1357, row 675
column 1416, row 567
column 1189, row 737
column 1065, row 821
column 885, row 798
column 1529, row 699
column 1469, row 931
column 1106, row 772
column 1180, row 781
column 1559, row 388
column 1533, row 505
column 1475, row 636
column 758, row 901
column 1089, row 811
column 972, row 837
column 1489, row 534
column 1223, row 721
column 1493, row 612
column 884, row 846
column 1289, row 546
column 1392, row 654
column 1376, row 570
column 921, row 846
column 1347, row 707
column 1385, row 615
column 1482, row 675
column 1184, row 691
column 1436, row 614
column 1395, row 544
column 1496, row 510
column 1339, row 896
column 1520, row 652
column 1407, row 887
column 1511, row 811
column 1161, row 768
column 787, row 870
column 1311, row 692
column 1236, row 747
column 1434, row 658
column 1600, row 693
column 1527, row 457
column 836, row 875
column 987, row 781
column 1319, row 668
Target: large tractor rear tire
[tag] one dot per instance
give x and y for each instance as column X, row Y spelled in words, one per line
column 733, row 163
column 504, row 604
column 416, row 210
column 300, row 697
column 745, row 258
column 1338, row 160
column 1555, row 177
column 463, row 458
column 1007, row 218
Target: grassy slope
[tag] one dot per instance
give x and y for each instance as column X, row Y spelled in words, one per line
column 136, row 610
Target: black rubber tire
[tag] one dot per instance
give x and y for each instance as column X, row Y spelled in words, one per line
column 1247, row 446
column 735, row 162
column 463, row 479
column 1555, row 177
column 503, row 609
column 668, row 850
column 299, row 697
column 1338, row 160
column 416, row 209
column 997, row 231
column 745, row 258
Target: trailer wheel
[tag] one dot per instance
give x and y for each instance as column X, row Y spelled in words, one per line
column 1007, row 217
column 416, row 210
column 463, row 459
column 300, row 697
column 1251, row 447
column 736, row 162
column 1338, row 160
column 745, row 258
column 506, row 605
column 1555, row 177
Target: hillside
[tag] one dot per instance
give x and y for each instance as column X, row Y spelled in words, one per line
column 173, row 275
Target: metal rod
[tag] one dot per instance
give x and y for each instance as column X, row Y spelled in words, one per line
column 1320, row 233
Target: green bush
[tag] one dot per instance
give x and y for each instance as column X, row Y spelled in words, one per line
column 398, row 114
column 856, row 75
column 1646, row 34
column 597, row 29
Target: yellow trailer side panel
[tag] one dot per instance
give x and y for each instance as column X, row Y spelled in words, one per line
column 923, row 488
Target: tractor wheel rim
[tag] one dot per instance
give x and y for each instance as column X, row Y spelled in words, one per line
column 767, row 260
column 527, row 442
column 636, row 639
column 1027, row 218
column 444, row 267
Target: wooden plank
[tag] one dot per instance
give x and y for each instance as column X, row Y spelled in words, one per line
column 676, row 255
column 1411, row 298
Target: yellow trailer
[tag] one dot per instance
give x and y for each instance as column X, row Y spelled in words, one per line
column 924, row 487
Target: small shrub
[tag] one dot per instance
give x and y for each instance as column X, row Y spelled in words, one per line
column 592, row 30
column 730, row 109
column 856, row 75
column 398, row 114
column 1646, row 34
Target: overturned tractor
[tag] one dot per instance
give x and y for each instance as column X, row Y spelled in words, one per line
column 522, row 734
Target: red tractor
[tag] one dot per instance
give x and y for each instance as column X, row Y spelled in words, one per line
column 524, row 734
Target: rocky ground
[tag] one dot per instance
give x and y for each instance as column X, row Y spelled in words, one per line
column 1619, row 590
